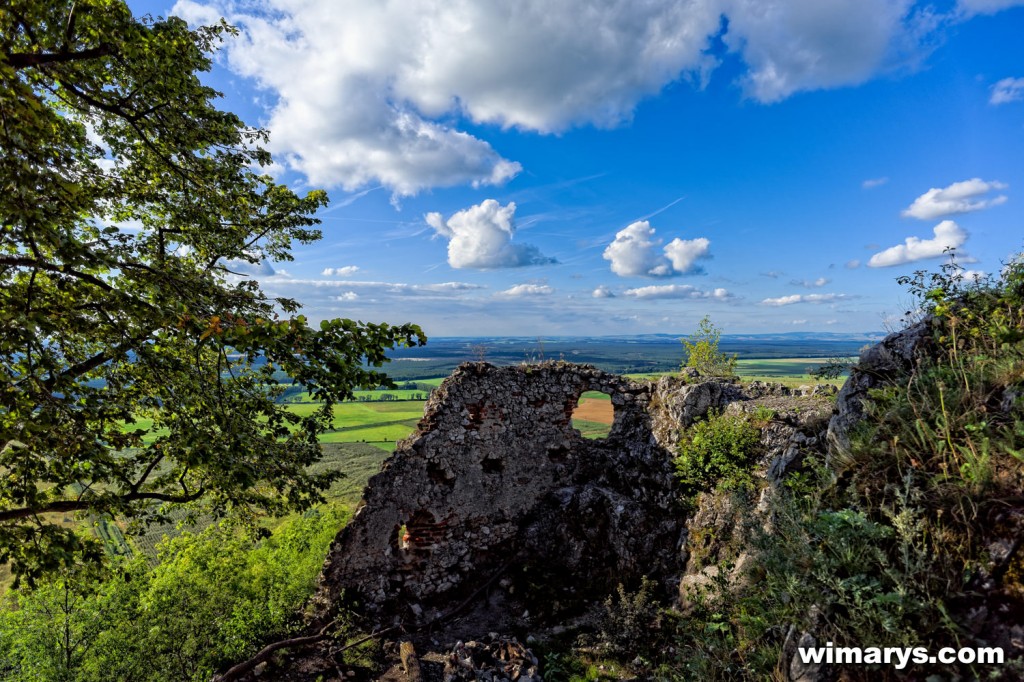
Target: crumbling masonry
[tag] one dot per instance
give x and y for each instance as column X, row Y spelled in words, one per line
column 495, row 475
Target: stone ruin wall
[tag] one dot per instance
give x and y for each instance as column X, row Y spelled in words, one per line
column 495, row 474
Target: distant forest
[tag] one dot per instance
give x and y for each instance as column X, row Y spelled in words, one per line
column 622, row 355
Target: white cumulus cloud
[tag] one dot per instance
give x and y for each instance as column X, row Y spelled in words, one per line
column 359, row 93
column 809, row 44
column 1007, row 90
column 960, row 197
column 971, row 275
column 480, row 237
column 636, row 252
column 947, row 235
column 603, row 292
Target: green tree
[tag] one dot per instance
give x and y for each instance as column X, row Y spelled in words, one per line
column 703, row 355
column 138, row 362
column 213, row 598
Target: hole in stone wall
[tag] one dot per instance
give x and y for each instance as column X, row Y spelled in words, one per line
column 594, row 415
column 492, row 465
column 438, row 474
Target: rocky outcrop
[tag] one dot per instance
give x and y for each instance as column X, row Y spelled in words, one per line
column 879, row 365
column 720, row 531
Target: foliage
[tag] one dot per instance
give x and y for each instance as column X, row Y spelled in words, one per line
column 702, row 351
column 132, row 207
column 717, row 451
column 631, row 618
column 838, row 573
column 214, row 598
column 888, row 545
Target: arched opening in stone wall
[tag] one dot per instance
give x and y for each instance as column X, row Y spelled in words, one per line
column 421, row 532
column 593, row 415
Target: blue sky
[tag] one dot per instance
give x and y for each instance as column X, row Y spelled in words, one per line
column 567, row 168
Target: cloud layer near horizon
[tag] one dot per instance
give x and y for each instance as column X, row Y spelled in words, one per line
column 383, row 85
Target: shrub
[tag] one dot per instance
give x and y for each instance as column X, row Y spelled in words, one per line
column 702, row 352
column 631, row 618
column 717, row 451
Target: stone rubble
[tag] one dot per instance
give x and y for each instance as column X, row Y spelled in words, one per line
column 491, row 659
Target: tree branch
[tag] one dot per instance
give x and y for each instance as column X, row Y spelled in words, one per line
column 24, row 60
column 60, row 269
column 244, row 667
column 80, row 505
column 95, row 361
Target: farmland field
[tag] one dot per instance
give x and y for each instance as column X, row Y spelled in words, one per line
column 593, row 415
column 377, row 423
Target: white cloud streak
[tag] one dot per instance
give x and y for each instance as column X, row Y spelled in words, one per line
column 972, row 7
column 480, row 237
column 373, row 287
column 1007, row 90
column 677, row 291
column 523, row 290
column 804, row 298
column 811, row 283
column 960, row 197
column 947, row 235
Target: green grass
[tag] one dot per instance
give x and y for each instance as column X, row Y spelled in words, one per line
column 589, row 429
column 373, row 396
column 778, row 367
column 595, row 395
column 790, row 372
column 379, row 423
